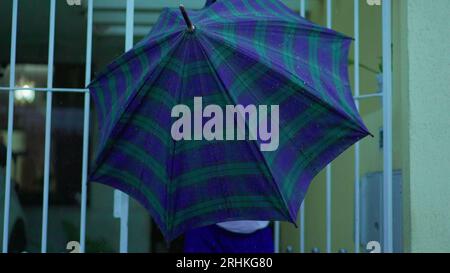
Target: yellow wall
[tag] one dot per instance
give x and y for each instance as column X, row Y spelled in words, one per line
column 371, row 155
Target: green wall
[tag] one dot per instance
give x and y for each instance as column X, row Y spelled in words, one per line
column 426, row 99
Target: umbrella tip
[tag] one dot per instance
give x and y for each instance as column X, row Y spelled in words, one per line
column 190, row 26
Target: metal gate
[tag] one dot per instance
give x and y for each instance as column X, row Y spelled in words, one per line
column 121, row 200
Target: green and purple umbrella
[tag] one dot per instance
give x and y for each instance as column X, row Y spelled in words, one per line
column 234, row 52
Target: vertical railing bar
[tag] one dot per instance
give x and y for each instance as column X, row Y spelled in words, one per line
column 329, row 14
column 303, row 8
column 129, row 34
column 328, row 169
column 277, row 237
column 48, row 126
column 87, row 98
column 12, row 79
column 328, row 207
column 302, row 227
column 387, row 127
column 357, row 145
column 302, row 207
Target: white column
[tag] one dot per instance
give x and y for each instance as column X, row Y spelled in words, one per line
column 425, row 66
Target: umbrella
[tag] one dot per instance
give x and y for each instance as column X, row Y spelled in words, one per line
column 253, row 55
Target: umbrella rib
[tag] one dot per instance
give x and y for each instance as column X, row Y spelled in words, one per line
column 170, row 211
column 279, row 23
column 127, row 57
column 306, row 87
column 247, row 53
column 217, row 76
column 106, row 149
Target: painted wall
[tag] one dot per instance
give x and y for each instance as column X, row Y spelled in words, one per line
column 427, row 71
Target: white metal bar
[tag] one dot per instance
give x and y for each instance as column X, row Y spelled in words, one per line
column 124, row 222
column 87, row 101
column 12, row 79
column 368, row 96
column 328, row 206
column 117, row 202
column 302, row 207
column 303, row 8
column 277, row 237
column 329, row 14
column 387, row 127
column 44, row 89
column 129, row 34
column 328, row 169
column 48, row 126
column 302, row 227
column 357, row 146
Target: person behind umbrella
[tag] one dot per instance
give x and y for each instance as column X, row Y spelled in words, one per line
column 230, row 237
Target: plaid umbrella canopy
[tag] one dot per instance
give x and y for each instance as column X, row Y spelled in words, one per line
column 240, row 52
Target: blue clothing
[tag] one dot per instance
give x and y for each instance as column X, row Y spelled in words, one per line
column 214, row 239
